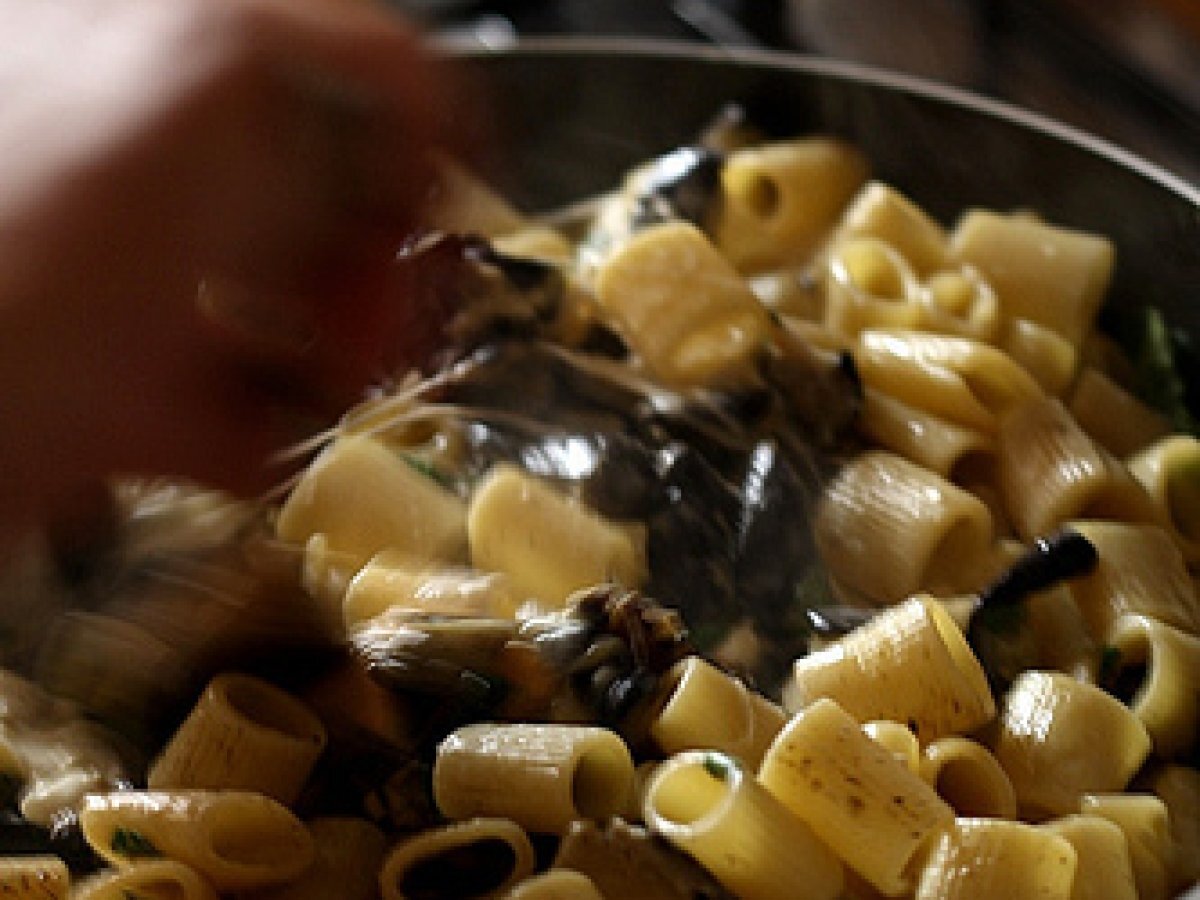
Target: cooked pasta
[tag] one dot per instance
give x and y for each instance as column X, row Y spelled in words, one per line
column 475, row 858
column 236, row 840
column 156, row 879
column 1050, row 727
column 967, row 776
column 245, row 734
column 33, row 878
column 857, row 797
column 887, row 528
column 544, row 777
column 1103, row 871
column 935, row 684
column 1144, row 820
column 706, row 804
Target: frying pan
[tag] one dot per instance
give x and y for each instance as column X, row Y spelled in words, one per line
column 571, row 115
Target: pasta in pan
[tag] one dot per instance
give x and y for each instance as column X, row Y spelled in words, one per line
column 761, row 536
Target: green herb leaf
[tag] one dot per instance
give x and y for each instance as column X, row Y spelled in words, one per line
column 718, row 766
column 427, row 469
column 132, row 845
column 1160, row 382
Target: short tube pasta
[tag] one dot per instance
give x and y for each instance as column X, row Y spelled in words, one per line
column 869, row 285
column 390, row 579
column 349, row 857
column 710, row 709
column 235, row 839
column 556, row 884
column 1144, row 820
column 546, row 543
column 960, row 302
column 995, row 859
column 935, row 683
column 888, row 528
column 882, row 212
column 780, row 199
column 963, row 380
column 364, row 497
column 705, row 804
column 1140, row 571
column 1166, row 700
column 1169, row 469
column 153, row 878
column 1178, row 787
column 476, row 858
column 34, row 878
column 857, row 797
column 1047, row 274
column 897, row 739
column 1051, row 472
column 543, row 777
column 1104, row 871
column 967, row 776
column 1049, row 729
column 244, row 733
column 1112, row 416
column 1045, row 354
column 928, row 440
column 713, row 338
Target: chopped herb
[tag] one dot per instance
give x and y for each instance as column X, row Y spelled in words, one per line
column 1160, row 377
column 427, row 469
column 132, row 845
column 719, row 767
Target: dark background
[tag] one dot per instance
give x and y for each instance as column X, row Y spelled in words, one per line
column 1126, row 70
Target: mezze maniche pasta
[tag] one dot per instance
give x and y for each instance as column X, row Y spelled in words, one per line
column 520, row 707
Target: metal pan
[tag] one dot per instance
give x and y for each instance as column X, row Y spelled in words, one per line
column 573, row 114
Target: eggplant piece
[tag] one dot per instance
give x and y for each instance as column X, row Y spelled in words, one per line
column 683, row 184
column 625, row 860
column 64, row 839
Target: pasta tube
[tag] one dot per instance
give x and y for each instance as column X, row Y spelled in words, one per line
column 1059, row 739
column 857, row 797
column 959, row 379
column 236, row 840
column 779, row 199
column 708, row 709
column 543, row 777
column 476, row 858
column 160, row 879
column 364, row 497
column 960, row 302
column 691, row 319
column 934, row 682
column 390, row 579
column 349, row 857
column 1112, row 416
column 556, row 884
column 869, row 285
column 246, row 734
column 888, row 528
column 705, row 804
column 899, row 740
column 1045, row 354
column 997, row 859
column 928, row 440
column 1178, row 787
column 33, row 878
column 1051, row 472
column 1140, row 571
column 967, row 776
column 880, row 211
column 1143, row 819
column 1055, row 276
column 1104, row 871
column 548, row 544
column 1166, row 701
column 1169, row 469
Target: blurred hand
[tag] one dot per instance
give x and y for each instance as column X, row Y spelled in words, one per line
column 274, row 149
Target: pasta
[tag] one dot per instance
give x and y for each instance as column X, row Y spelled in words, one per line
column 754, row 427
column 544, row 777
column 245, row 734
column 704, row 802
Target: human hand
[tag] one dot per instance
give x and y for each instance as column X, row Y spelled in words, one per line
column 275, row 147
